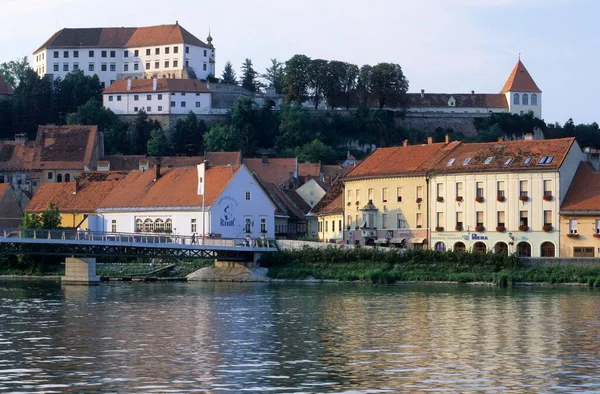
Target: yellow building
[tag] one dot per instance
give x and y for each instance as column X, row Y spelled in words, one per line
column 580, row 215
column 386, row 196
column 330, row 214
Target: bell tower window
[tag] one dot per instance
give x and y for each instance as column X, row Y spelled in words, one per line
column 534, row 99
column 525, row 99
column 516, row 99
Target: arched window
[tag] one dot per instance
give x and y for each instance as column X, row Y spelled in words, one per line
column 459, row 247
column 525, row 99
column 533, row 99
column 501, row 248
column 479, row 247
column 59, row 178
column 159, row 225
column 516, row 99
column 148, row 225
column 524, row 249
column 440, row 246
column 168, row 225
column 548, row 249
column 67, row 177
column 138, row 225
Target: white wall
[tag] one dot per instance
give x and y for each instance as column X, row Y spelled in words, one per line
column 517, row 109
column 182, row 220
column 190, row 100
column 456, row 110
column 159, row 103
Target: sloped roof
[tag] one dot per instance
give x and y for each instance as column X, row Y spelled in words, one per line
column 5, row 88
column 275, row 170
column 15, row 156
column 520, row 80
column 11, row 214
column 163, row 35
column 174, row 188
column 462, row 100
column 132, row 162
column 163, row 85
column 401, row 160
column 332, row 202
column 473, row 156
column 92, row 189
column 125, row 162
column 65, row 147
column 584, row 192
column 224, row 158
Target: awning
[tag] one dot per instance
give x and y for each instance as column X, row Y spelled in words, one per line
column 396, row 240
column 417, row 240
column 381, row 241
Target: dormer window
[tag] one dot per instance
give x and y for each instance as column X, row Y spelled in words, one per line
column 527, row 161
column 508, row 161
column 451, row 102
column 488, row 160
column 450, row 162
column 546, row 160
column 467, row 161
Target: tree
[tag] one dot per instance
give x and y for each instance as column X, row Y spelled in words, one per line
column 33, row 103
column 157, row 144
column 388, row 84
column 296, row 79
column 228, row 76
column 334, row 82
column 349, row 83
column 47, row 220
column 363, row 85
column 316, row 151
column 317, row 79
column 76, row 90
column 249, row 77
column 14, row 71
column 296, row 128
column 222, row 137
column 274, row 75
column 188, row 135
column 140, row 133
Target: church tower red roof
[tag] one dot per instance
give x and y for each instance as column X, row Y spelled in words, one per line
column 520, row 80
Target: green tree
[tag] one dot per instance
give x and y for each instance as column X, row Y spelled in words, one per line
column 33, row 103
column 14, row 71
column 140, row 133
column 363, row 84
column 315, row 151
column 250, row 77
column 388, row 84
column 47, row 220
column 228, row 76
column 296, row 79
column 75, row 90
column 317, row 80
column 296, row 128
column 157, row 144
column 188, row 135
column 349, row 83
column 274, row 75
column 222, row 137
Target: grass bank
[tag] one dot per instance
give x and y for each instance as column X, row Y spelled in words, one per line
column 384, row 267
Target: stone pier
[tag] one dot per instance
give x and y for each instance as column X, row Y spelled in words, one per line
column 80, row 271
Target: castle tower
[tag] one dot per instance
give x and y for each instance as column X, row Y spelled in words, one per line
column 522, row 93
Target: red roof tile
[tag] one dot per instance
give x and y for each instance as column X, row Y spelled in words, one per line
column 5, row 88
column 163, row 85
column 15, row 157
column 163, row 35
column 520, row 80
column 275, row 170
column 224, row 158
column 584, row 193
column 66, row 147
column 332, row 202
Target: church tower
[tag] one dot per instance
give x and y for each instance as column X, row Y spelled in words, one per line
column 522, row 94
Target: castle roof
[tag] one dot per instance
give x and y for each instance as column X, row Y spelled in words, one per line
column 520, row 80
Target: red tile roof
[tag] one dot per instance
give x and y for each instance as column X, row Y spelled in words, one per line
column 132, row 162
column 332, row 202
column 584, row 192
column 66, row 147
column 163, row 35
column 520, row 80
column 401, row 160
column 163, row 85
column 275, row 170
column 5, row 88
column 175, row 188
column 462, row 100
column 14, row 157
column 224, row 158
column 475, row 156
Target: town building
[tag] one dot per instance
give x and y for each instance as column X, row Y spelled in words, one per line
column 222, row 201
column 519, row 95
column 580, row 215
column 112, row 53
column 6, row 90
column 329, row 212
column 16, row 160
column 501, row 196
column 11, row 209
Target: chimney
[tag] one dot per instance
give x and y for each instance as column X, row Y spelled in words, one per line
column 156, row 171
column 128, row 84
column 20, row 139
column 447, row 138
column 265, row 159
column 154, row 83
column 429, row 140
column 422, row 94
column 472, row 92
column 500, row 139
column 405, row 143
column 201, row 175
column 76, row 185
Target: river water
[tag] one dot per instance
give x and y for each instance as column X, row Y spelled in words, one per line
column 296, row 338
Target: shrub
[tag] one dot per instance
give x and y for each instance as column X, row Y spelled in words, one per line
column 523, row 228
column 479, row 228
column 547, row 197
column 501, row 229
column 439, row 229
column 479, row 198
column 459, row 199
column 440, row 199
column 500, row 198
column 547, row 228
column 523, row 198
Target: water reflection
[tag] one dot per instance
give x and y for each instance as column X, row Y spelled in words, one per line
column 220, row 337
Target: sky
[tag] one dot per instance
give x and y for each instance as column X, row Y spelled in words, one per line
column 443, row 46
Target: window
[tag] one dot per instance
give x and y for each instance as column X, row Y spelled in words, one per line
column 118, row 98
column 400, row 220
column 459, row 220
column 159, row 225
column 168, row 225
column 440, row 219
column 166, row 64
column 126, row 67
column 548, row 218
column 136, row 97
column 547, row 248
column 523, row 218
column 148, row 225
column 525, row 99
column 326, row 226
column 247, row 196
column 175, row 49
column 534, row 99
column 102, row 53
column 398, row 194
column 370, row 194
column 205, row 53
column 113, row 53
column 197, row 104
column 488, row 160
column 148, row 97
column 333, row 226
column 459, row 189
column 159, row 97
column 183, row 104
column 75, row 53
column 527, row 161
column 450, row 162
column 50, row 175
column 420, row 192
column 546, row 160
column 500, row 186
column 159, row 108
column 126, row 53
column 135, row 109
column 66, row 67
column 56, row 67
column 187, row 63
column 157, row 51
column 349, row 220
column 547, row 187
column 156, row 64
column 466, row 161
column 148, row 109
column 139, row 226
column 172, row 103
column 501, row 219
column 440, row 190
column 572, row 226
column 384, row 194
column 597, row 227
column 516, row 99
column 136, row 66
column 147, row 65
column 148, row 52
column 167, row 50
column 419, row 219
column 194, row 226
column 183, row 94
column 91, row 54
column 103, row 67
column 204, row 67
column 523, row 188
column 479, row 189
column 248, row 224
column 56, row 54
column 583, row 252
column 66, row 54
column 187, row 49
column 113, row 67
column 340, row 224
column 113, row 225
column 479, row 218
column 175, row 63
column 383, row 220
column 110, row 98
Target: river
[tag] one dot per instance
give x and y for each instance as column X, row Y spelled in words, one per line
column 296, row 338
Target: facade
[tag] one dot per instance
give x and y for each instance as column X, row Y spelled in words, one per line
column 222, row 201
column 164, row 51
column 503, row 196
column 330, row 214
column 580, row 215
column 11, row 212
column 158, row 97
column 519, row 95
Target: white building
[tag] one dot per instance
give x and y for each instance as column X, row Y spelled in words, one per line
column 223, row 201
column 519, row 95
column 164, row 51
column 158, row 96
column 502, row 196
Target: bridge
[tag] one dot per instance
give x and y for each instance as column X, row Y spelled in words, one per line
column 82, row 247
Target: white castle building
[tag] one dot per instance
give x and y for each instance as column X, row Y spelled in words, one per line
column 164, row 51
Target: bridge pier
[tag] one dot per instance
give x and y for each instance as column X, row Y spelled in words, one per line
column 80, row 271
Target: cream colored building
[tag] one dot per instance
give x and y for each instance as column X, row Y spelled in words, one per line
column 329, row 213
